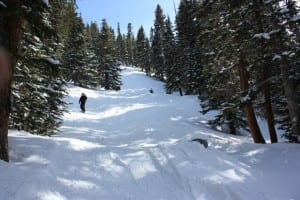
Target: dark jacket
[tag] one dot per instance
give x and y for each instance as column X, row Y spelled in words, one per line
column 82, row 99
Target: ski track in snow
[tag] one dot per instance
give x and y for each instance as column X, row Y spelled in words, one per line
column 134, row 145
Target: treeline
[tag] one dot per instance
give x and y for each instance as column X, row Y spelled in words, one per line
column 64, row 50
column 242, row 58
column 44, row 45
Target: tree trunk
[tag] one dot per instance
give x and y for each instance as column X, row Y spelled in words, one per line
column 10, row 26
column 251, row 119
column 290, row 84
column 4, row 102
column 265, row 74
column 268, row 106
column 293, row 100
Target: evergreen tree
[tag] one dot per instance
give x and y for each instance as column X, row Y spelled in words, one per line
column 38, row 104
column 286, row 55
column 147, row 61
column 63, row 14
column 109, row 69
column 141, row 49
column 222, row 51
column 120, row 46
column 246, row 37
column 94, row 34
column 130, row 45
column 13, row 14
column 157, row 46
column 74, row 54
column 40, row 113
column 134, row 50
column 151, row 68
column 170, row 53
column 261, row 57
column 265, row 36
column 90, row 77
column 186, row 24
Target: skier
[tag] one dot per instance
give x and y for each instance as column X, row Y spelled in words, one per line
column 82, row 101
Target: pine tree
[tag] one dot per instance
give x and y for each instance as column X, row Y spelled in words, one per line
column 63, row 14
column 141, row 49
column 147, row 61
column 94, row 33
column 120, row 47
column 186, row 24
column 261, row 57
column 267, row 36
column 239, row 50
column 13, row 14
column 151, row 68
column 222, row 49
column 170, row 53
column 38, row 104
column 247, row 35
column 109, row 69
column 286, row 47
column 90, row 77
column 74, row 53
column 130, row 45
column 157, row 46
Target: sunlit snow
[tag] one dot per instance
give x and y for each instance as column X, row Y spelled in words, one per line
column 131, row 144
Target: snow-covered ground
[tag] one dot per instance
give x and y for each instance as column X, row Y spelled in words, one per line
column 133, row 145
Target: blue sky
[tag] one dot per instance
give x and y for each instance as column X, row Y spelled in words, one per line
column 137, row 12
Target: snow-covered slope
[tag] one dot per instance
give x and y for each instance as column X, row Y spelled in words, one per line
column 132, row 144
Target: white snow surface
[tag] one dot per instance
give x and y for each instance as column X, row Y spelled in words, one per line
column 3, row 4
column 46, row 2
column 134, row 145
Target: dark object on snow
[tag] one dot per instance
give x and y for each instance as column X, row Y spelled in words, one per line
column 201, row 141
column 82, row 101
column 151, row 91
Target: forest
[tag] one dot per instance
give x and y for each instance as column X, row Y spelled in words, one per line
column 241, row 58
